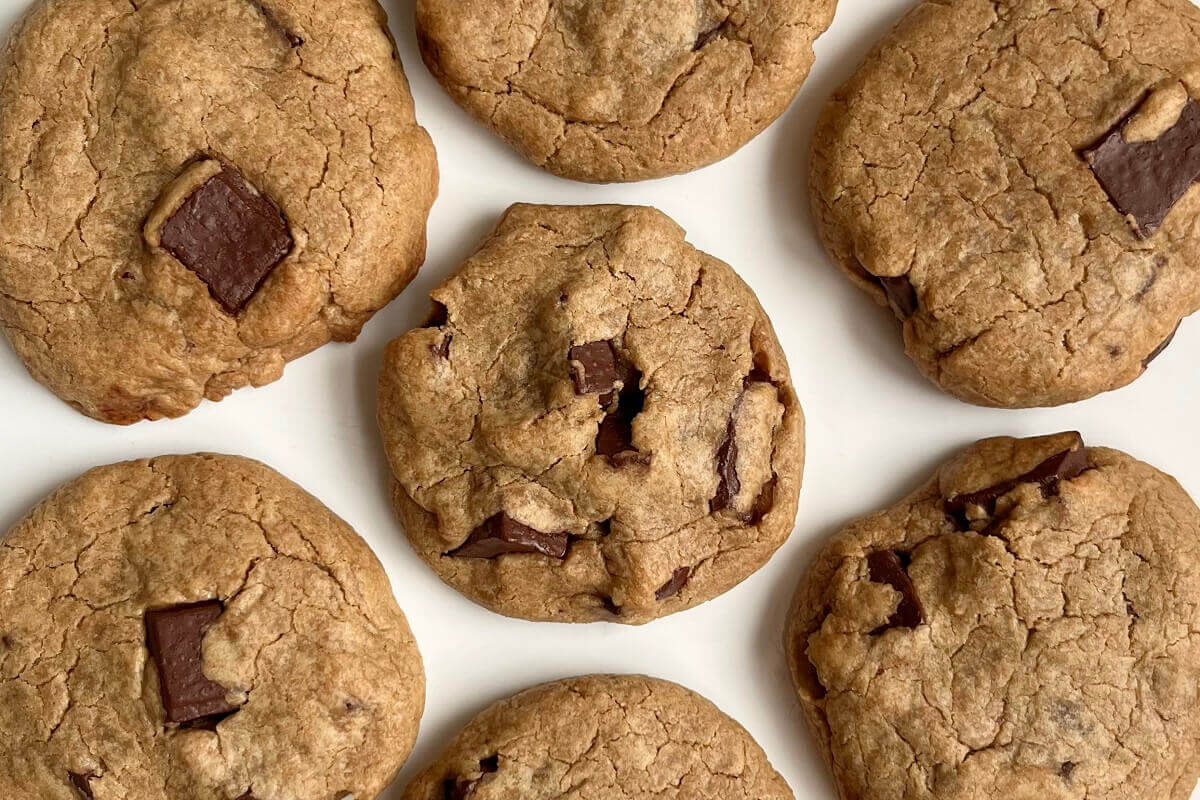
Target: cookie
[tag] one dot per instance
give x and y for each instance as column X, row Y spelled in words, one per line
column 622, row 90
column 194, row 192
column 1015, row 179
column 198, row 627
column 601, row 737
column 1023, row 625
column 597, row 423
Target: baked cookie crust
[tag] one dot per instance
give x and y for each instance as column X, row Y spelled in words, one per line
column 106, row 111
column 598, row 422
column 1033, row 637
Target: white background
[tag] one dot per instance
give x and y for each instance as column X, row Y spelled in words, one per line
column 876, row 428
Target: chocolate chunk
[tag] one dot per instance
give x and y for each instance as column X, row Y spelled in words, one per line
column 82, row 784
column 609, row 605
column 174, row 637
column 464, row 788
column 1065, row 771
column 1048, row 474
column 593, row 367
column 229, row 235
column 901, row 295
column 729, row 485
column 614, row 437
column 1144, row 180
column 501, row 534
column 885, row 566
column 1158, row 351
column 675, row 585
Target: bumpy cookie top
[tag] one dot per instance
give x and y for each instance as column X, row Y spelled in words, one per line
column 198, row 627
column 1024, row 625
column 998, row 171
column 193, row 192
column 622, row 90
column 602, row 737
column 598, row 424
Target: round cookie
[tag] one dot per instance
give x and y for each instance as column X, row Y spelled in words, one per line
column 597, row 424
column 602, row 737
column 194, row 192
column 622, row 90
column 198, row 627
column 1023, row 625
column 1015, row 179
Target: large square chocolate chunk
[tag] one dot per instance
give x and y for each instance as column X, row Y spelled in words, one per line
column 175, row 639
column 229, row 235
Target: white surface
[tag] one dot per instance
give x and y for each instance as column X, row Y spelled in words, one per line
column 876, row 428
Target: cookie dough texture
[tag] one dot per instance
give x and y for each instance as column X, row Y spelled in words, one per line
column 480, row 415
column 602, row 737
column 622, row 90
column 105, row 104
column 1058, row 658
column 952, row 159
column 311, row 639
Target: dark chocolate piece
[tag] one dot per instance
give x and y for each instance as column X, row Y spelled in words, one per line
column 230, row 236
column 901, row 295
column 1158, row 351
column 610, row 606
column 614, row 437
column 593, row 367
column 729, row 485
column 464, row 788
column 1066, row 770
column 675, row 585
column 82, row 784
column 885, row 566
column 501, row 534
column 1144, row 180
column 1048, row 474
column 175, row 637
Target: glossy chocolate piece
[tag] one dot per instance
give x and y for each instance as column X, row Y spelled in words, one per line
column 886, row 566
column 175, row 639
column 501, row 535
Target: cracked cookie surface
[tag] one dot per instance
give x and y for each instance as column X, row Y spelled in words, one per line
column 322, row 673
column 622, row 90
column 1039, row 636
column 105, row 108
column 954, row 166
column 602, row 737
column 597, row 424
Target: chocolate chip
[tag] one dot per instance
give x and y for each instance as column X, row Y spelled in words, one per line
column 230, row 236
column 886, row 566
column 901, row 295
column 501, row 534
column 442, row 348
column 593, row 367
column 729, row 485
column 1065, row 771
column 1158, row 351
column 1144, row 180
column 82, row 784
column 675, row 585
column 175, row 637
column 614, row 437
column 1059, row 467
column 610, row 606
column 464, row 788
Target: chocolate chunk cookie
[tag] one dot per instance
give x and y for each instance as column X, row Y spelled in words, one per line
column 596, row 424
column 194, row 192
column 622, row 90
column 602, row 737
column 1016, row 179
column 198, row 627
column 1022, row 626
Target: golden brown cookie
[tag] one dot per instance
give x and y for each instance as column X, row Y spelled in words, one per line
column 602, row 737
column 194, row 192
column 622, row 90
column 1022, row 626
column 198, row 627
column 597, row 424
column 1017, row 180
